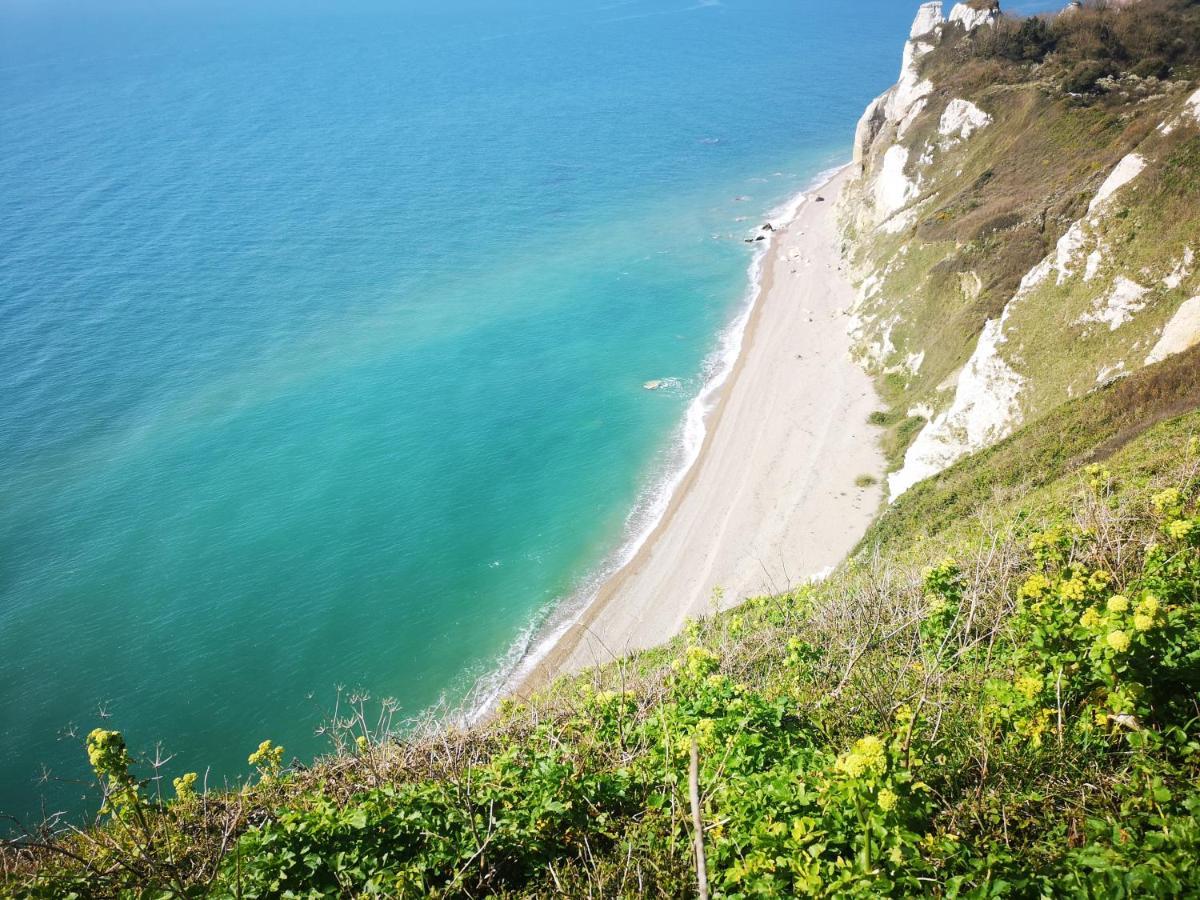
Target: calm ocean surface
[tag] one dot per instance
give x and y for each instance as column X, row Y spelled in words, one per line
column 323, row 329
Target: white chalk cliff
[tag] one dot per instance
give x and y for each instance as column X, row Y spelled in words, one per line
column 896, row 104
column 890, row 115
column 971, row 18
column 987, row 397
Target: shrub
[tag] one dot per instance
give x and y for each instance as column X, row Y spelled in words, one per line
column 1027, row 40
column 1152, row 67
column 1083, row 76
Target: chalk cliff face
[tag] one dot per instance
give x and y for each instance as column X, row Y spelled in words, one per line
column 899, row 106
column 972, row 16
column 1014, row 245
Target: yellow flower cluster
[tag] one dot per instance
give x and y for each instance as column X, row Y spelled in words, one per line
column 701, row 661
column 1045, row 539
column 1035, row 586
column 109, row 757
column 185, row 786
column 1029, row 686
column 706, row 734
column 1180, row 529
column 1098, row 476
column 1118, row 640
column 865, row 757
column 107, row 754
column 267, row 757
column 887, row 800
column 1168, row 503
column 1146, row 616
column 1071, row 590
column 1090, row 618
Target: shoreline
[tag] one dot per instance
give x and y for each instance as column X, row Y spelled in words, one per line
column 618, row 618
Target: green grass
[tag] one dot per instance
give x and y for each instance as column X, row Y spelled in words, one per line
column 895, row 440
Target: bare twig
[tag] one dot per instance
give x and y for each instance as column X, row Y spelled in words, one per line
column 697, row 820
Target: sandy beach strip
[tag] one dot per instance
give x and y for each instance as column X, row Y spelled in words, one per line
column 771, row 501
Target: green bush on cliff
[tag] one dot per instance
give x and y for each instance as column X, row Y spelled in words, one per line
column 1154, row 35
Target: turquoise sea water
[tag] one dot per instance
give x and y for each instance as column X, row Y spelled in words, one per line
column 323, row 329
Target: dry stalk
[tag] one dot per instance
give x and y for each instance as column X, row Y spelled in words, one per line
column 697, row 820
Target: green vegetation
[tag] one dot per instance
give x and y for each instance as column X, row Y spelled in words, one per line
column 1150, row 40
column 866, row 481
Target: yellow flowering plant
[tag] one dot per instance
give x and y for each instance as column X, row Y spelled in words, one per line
column 1099, row 478
column 1168, row 504
column 1052, row 546
column 1036, row 586
column 874, row 779
column 109, row 758
column 943, row 598
column 700, row 661
column 268, row 759
column 185, row 787
column 1101, row 657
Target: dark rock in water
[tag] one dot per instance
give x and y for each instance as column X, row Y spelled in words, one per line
column 768, row 227
column 760, row 238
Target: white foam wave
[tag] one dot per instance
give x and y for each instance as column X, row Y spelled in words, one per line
column 547, row 628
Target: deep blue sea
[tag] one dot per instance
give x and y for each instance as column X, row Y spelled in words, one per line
column 324, row 328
